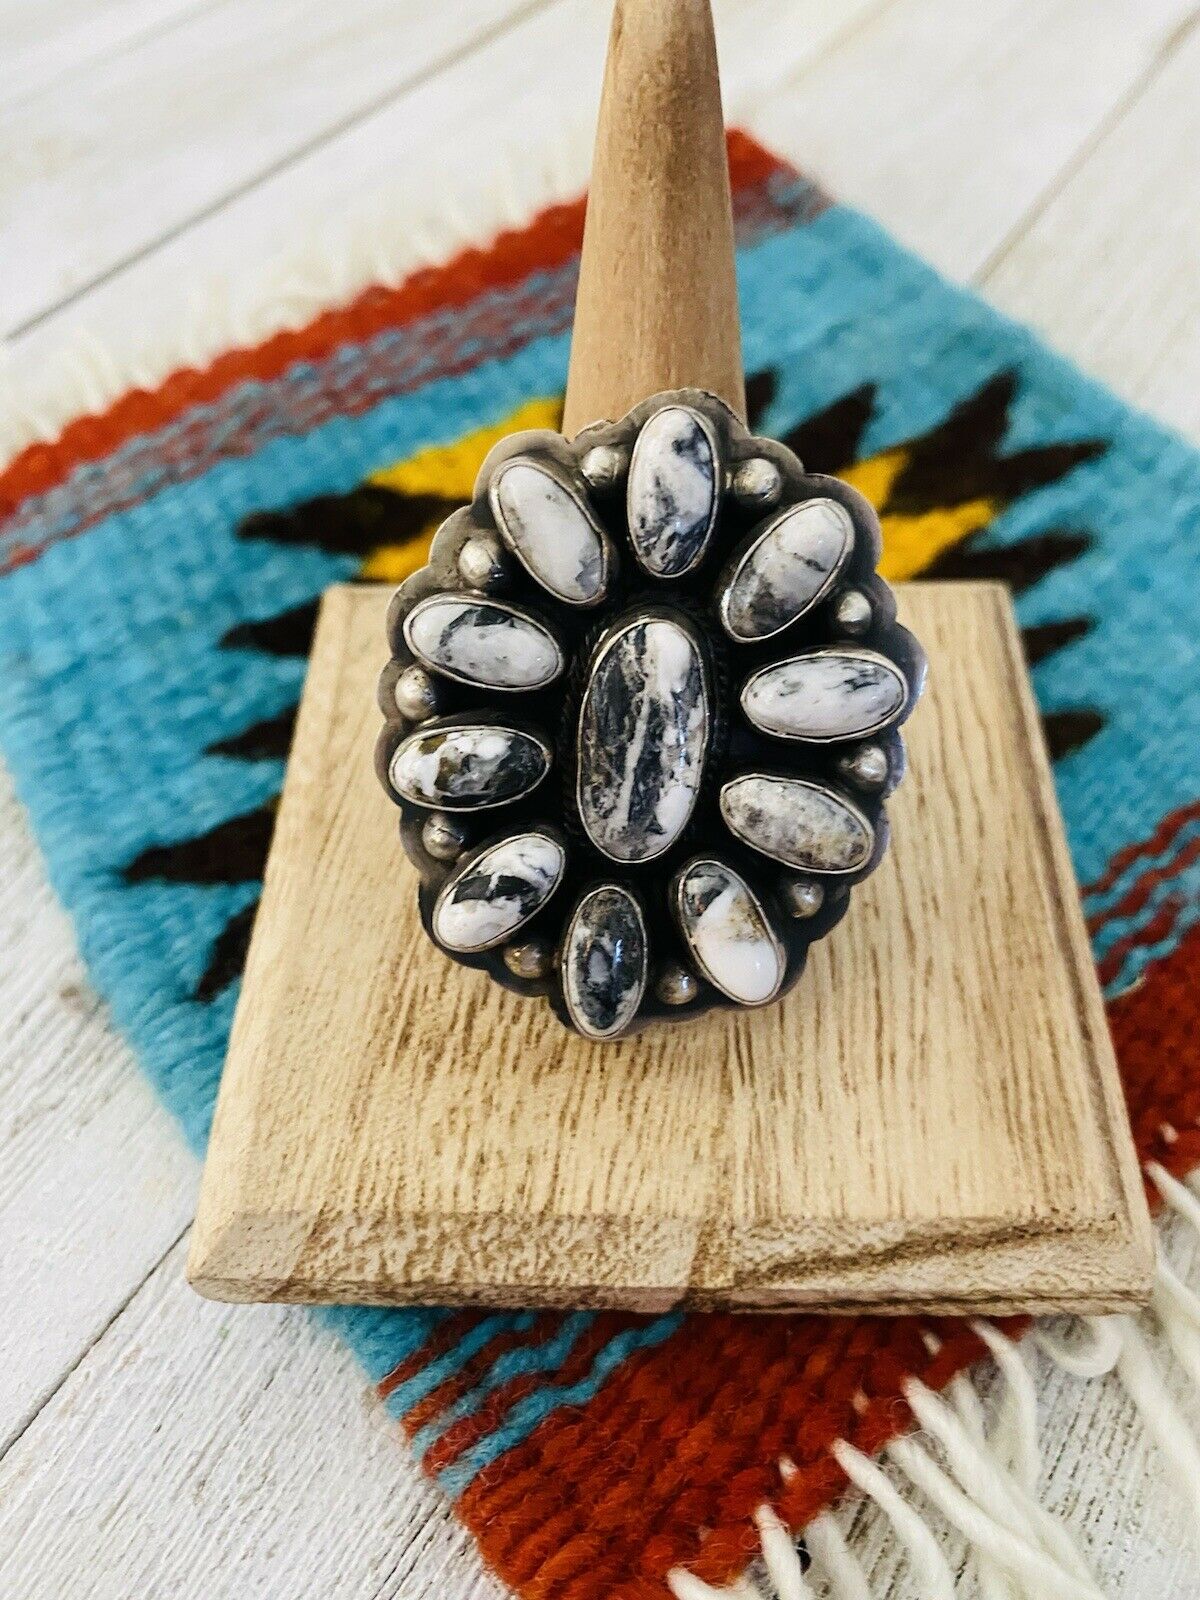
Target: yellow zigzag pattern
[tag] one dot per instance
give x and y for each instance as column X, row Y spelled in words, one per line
column 910, row 543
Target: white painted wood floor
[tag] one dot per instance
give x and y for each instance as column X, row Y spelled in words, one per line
column 1048, row 151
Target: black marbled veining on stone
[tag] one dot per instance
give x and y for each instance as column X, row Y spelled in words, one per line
column 643, row 731
column 789, row 566
column 672, row 492
column 467, row 768
column 605, row 962
column 800, row 823
column 498, row 892
column 483, row 642
column 826, row 695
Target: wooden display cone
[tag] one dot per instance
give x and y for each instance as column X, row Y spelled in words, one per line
column 930, row 1121
column 657, row 302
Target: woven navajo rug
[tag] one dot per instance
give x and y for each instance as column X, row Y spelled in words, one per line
column 160, row 569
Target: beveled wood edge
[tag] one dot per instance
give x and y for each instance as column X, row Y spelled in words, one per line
column 1091, row 1269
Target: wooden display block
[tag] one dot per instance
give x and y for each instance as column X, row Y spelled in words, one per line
column 931, row 1120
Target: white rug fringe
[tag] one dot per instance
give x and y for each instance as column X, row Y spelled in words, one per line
column 982, row 1478
column 381, row 241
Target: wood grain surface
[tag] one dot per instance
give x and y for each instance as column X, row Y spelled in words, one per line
column 931, row 1119
column 657, row 304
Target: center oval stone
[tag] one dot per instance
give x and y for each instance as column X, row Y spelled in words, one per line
column 643, row 733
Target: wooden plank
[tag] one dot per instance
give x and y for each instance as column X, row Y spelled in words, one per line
column 94, row 1183
column 203, row 1450
column 947, row 122
column 57, row 37
column 85, row 189
column 1109, row 269
column 931, row 1119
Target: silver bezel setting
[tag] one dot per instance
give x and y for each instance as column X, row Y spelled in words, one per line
column 817, row 788
column 445, row 803
column 677, row 883
column 714, row 509
column 834, row 652
column 571, row 488
column 479, row 598
column 467, row 865
column 619, row 628
column 577, row 911
column 734, row 570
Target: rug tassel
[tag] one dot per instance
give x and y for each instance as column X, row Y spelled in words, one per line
column 844, row 1575
column 1000, row 1522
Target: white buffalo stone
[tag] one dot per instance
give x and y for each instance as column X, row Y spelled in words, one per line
column 482, row 641
column 672, row 492
column 728, row 932
column 643, row 731
column 549, row 531
column 797, row 822
column 830, row 694
column 605, row 962
column 786, row 569
column 498, row 892
column 468, row 767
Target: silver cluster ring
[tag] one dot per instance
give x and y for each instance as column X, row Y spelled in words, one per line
column 642, row 715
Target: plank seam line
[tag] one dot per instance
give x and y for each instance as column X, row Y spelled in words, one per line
column 86, row 65
column 23, row 1426
column 363, row 113
column 1112, row 119
column 836, row 41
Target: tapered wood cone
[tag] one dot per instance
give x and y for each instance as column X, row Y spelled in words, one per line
column 657, row 302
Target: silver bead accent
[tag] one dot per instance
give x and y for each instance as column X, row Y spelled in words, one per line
column 444, row 837
column 853, row 612
column 866, row 767
column 532, row 958
column 481, row 563
column 415, row 694
column 604, row 466
column 675, row 985
column 757, row 482
column 802, row 897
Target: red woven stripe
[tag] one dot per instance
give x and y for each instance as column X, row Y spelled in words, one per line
column 441, row 1341
column 1159, row 840
column 454, row 1387
column 1156, row 1030
column 1139, row 892
column 466, row 1432
column 687, row 1437
column 1160, row 927
column 549, row 240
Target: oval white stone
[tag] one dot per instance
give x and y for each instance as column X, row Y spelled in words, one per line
column 605, row 962
column 482, row 641
column 728, row 932
column 468, row 768
column 498, row 892
column 549, row 531
column 786, row 569
column 672, row 492
column 830, row 694
column 797, row 822
column 643, row 731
